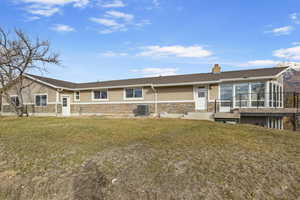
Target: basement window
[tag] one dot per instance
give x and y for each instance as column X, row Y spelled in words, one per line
column 41, row 100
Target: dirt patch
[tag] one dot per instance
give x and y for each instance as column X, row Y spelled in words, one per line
column 85, row 183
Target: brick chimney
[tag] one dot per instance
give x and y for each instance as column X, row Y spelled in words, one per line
column 216, row 69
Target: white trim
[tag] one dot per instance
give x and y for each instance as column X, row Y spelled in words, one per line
column 100, row 90
column 159, row 85
column 132, row 98
column 40, row 94
column 69, row 104
column 57, row 97
column 196, row 89
column 282, row 72
column 38, row 80
column 75, row 95
column 132, row 102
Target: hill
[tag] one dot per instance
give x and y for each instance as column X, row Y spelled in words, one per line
column 97, row 158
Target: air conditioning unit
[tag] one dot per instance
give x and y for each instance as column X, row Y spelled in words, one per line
column 142, row 110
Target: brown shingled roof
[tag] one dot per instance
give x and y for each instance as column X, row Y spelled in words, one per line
column 176, row 79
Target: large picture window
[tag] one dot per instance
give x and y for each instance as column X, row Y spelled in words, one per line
column 226, row 95
column 133, row 93
column 252, row 94
column 41, row 100
column 100, row 95
column 242, row 94
column 275, row 95
column 258, row 94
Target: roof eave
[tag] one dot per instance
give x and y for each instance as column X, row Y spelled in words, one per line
column 159, row 85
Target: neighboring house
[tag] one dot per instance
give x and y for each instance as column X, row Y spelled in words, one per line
column 253, row 96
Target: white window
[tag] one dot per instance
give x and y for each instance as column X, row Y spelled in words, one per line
column 226, row 94
column 41, row 100
column 15, row 100
column 100, row 95
column 131, row 93
column 258, row 94
column 275, row 95
column 242, row 94
column 77, row 96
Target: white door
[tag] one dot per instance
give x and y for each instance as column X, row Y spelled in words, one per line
column 66, row 109
column 201, row 99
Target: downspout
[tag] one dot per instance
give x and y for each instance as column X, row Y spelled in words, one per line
column 155, row 100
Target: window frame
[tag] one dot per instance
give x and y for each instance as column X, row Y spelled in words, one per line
column 35, row 95
column 75, row 96
column 15, row 96
column 133, row 98
column 100, row 90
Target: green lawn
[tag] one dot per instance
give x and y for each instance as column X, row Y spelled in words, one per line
column 47, row 158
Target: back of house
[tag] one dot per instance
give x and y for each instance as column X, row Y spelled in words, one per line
column 256, row 96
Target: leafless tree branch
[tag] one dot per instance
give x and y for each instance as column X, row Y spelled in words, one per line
column 19, row 54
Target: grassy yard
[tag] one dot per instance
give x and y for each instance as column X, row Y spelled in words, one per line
column 98, row 158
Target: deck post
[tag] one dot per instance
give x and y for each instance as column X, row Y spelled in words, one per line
column 295, row 122
column 215, row 105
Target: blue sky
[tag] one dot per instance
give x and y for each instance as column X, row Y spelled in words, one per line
column 115, row 39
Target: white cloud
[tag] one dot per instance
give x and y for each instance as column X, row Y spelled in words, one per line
column 292, row 53
column 77, row 3
column 257, row 63
column 32, row 18
column 111, row 24
column 62, row 28
column 115, row 21
column 295, row 18
column 156, row 3
column 48, row 8
column 120, row 15
column 113, row 54
column 142, row 23
column 177, row 50
column 148, row 72
column 295, row 43
column 113, row 4
column 45, row 11
column 285, row 30
column 105, row 22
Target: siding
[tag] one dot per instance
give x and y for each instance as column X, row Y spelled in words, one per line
column 176, row 93
column 213, row 92
column 34, row 88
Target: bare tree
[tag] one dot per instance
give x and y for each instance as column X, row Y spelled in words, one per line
column 20, row 54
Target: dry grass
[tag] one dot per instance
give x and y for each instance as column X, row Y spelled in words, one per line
column 48, row 158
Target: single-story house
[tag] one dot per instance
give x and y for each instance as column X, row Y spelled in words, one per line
column 253, row 96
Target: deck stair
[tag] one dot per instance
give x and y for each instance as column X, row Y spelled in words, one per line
column 199, row 116
column 222, row 115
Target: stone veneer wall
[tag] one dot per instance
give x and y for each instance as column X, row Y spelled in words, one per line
column 211, row 106
column 180, row 108
column 106, row 108
column 50, row 108
column 130, row 108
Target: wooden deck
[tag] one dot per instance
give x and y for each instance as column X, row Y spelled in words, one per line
column 270, row 110
column 257, row 112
